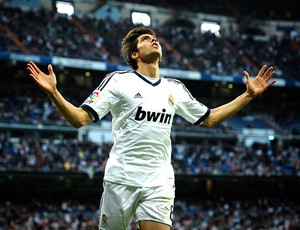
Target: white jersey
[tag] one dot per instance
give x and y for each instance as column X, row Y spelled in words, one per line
column 142, row 116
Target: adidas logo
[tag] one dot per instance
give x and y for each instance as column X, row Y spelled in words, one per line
column 138, row 95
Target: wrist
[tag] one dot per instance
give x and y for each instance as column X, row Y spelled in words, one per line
column 248, row 96
column 53, row 93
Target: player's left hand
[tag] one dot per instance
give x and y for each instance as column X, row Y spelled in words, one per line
column 261, row 82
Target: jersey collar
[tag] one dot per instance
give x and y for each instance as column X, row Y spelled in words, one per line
column 146, row 80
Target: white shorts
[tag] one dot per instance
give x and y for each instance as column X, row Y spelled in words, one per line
column 120, row 204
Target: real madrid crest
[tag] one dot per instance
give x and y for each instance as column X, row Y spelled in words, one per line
column 171, row 100
column 103, row 219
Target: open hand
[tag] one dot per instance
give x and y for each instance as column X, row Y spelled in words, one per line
column 46, row 82
column 261, row 82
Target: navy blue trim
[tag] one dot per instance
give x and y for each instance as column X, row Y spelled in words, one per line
column 104, row 82
column 146, row 80
column 176, row 81
column 109, row 76
column 203, row 117
column 91, row 111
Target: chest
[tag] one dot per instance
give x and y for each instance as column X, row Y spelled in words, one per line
column 157, row 98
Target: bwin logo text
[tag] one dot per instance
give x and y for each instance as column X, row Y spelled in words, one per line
column 153, row 116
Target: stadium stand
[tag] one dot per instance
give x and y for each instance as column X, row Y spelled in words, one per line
column 51, row 178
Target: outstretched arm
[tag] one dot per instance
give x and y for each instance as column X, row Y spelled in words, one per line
column 255, row 87
column 47, row 82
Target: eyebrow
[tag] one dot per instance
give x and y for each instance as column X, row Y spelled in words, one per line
column 148, row 35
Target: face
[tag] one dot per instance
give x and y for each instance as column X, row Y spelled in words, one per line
column 149, row 49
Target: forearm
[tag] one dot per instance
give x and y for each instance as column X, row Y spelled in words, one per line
column 74, row 115
column 223, row 112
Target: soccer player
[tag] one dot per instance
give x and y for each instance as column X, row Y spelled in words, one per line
column 139, row 178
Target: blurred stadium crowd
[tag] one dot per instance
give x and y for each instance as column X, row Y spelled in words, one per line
column 47, row 33
column 71, row 155
column 30, row 154
column 197, row 215
column 50, row 34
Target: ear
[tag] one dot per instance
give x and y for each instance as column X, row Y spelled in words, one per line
column 134, row 55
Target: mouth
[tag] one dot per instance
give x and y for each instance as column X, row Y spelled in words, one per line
column 155, row 45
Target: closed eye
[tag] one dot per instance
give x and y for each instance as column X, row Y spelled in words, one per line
column 146, row 37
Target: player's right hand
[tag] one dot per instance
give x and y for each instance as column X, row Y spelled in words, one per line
column 46, row 82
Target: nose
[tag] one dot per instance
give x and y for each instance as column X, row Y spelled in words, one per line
column 153, row 39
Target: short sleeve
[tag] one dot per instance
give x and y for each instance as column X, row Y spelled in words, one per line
column 101, row 100
column 189, row 108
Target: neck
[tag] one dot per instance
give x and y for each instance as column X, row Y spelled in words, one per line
column 150, row 70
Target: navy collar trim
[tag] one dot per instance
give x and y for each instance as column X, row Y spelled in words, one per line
column 146, row 80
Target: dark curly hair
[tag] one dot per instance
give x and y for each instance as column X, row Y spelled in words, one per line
column 129, row 44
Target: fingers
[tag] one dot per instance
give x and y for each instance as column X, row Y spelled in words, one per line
column 50, row 69
column 33, row 69
column 268, row 72
column 267, row 75
column 261, row 71
column 246, row 75
column 264, row 74
column 271, row 83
